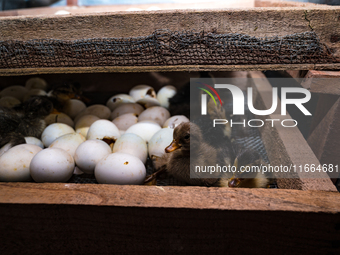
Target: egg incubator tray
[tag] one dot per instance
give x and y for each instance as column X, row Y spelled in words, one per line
column 242, row 139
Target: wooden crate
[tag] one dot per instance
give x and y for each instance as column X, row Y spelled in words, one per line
column 302, row 216
column 252, row 21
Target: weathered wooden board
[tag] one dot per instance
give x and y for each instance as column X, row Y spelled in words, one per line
column 110, row 219
column 189, row 68
column 322, row 82
column 286, row 146
column 77, row 229
column 170, row 197
column 258, row 22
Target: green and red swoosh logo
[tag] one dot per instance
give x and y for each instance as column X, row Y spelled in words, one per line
column 209, row 93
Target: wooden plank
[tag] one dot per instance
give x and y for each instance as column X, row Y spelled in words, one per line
column 189, row 68
column 72, row 2
column 324, row 140
column 129, row 7
column 273, row 3
column 70, row 229
column 325, row 103
column 286, row 146
column 323, row 82
column 260, row 22
column 170, row 197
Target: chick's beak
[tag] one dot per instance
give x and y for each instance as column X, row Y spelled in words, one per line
column 173, row 146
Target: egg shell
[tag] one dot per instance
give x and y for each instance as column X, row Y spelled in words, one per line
column 125, row 121
column 156, row 113
column 140, row 91
column 164, row 94
column 89, row 153
column 9, row 101
column 144, row 129
column 159, row 141
column 101, row 111
column 132, row 144
column 36, row 83
column 84, row 123
column 148, row 102
column 16, row 91
column 34, row 92
column 59, row 118
column 174, row 121
column 77, row 171
column 5, row 148
column 54, row 131
column 14, row 164
column 68, row 142
column 103, row 129
column 34, row 141
column 73, row 107
column 117, row 100
column 52, row 165
column 126, row 108
column 120, row 168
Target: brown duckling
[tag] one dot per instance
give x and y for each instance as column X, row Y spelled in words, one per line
column 189, row 143
column 244, row 179
column 26, row 119
column 64, row 91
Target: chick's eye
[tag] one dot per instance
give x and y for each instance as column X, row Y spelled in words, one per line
column 186, row 137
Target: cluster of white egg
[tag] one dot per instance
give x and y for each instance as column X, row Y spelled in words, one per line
column 75, row 141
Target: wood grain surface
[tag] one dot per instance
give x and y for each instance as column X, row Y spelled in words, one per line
column 286, row 146
column 322, row 82
column 259, row 22
column 186, row 68
column 110, row 219
column 170, row 197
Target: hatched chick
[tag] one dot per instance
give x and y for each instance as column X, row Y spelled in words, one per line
column 244, row 179
column 26, row 119
column 188, row 139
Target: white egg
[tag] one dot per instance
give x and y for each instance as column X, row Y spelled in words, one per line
column 9, row 101
column 35, row 141
column 34, row 92
column 120, row 168
column 156, row 113
column 148, row 102
column 144, row 129
column 68, row 142
column 140, row 91
column 5, row 148
column 126, row 108
column 16, row 91
column 54, row 131
column 174, row 121
column 103, row 129
column 72, row 107
column 164, row 94
column 89, row 153
column 36, row 83
column 116, row 100
column 101, row 111
column 59, row 118
column 132, row 144
column 160, row 141
column 52, row 165
column 84, row 123
column 14, row 164
column 125, row 121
